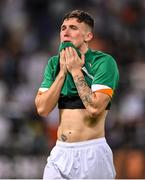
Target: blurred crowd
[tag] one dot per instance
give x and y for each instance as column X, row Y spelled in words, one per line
column 29, row 35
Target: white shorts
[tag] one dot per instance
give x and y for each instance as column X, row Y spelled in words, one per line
column 90, row 159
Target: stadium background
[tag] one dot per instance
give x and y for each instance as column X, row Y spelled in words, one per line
column 29, row 35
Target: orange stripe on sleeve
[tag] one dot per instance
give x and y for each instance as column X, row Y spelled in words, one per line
column 106, row 91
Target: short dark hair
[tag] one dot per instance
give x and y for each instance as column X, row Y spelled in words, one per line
column 81, row 16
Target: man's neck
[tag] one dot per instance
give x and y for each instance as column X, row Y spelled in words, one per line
column 83, row 49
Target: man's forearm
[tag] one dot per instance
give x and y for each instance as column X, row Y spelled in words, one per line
column 46, row 101
column 83, row 89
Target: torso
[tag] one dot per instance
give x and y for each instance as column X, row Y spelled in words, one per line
column 76, row 125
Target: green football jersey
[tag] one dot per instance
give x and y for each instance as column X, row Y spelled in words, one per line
column 100, row 72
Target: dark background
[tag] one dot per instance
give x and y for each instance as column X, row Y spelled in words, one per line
column 29, row 35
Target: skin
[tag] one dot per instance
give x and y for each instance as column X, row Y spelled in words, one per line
column 75, row 124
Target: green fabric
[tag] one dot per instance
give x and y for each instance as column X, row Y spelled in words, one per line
column 63, row 45
column 100, row 68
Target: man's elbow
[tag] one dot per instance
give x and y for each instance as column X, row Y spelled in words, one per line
column 94, row 112
column 41, row 111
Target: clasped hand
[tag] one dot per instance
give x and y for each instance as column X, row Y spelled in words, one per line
column 70, row 61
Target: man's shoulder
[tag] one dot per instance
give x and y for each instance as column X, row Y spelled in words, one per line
column 53, row 60
column 100, row 54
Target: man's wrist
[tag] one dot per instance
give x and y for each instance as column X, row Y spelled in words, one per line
column 76, row 73
column 62, row 74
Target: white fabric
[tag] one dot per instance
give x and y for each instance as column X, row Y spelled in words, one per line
column 90, row 159
column 43, row 89
column 96, row 87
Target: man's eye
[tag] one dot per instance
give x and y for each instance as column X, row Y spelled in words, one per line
column 62, row 29
column 74, row 27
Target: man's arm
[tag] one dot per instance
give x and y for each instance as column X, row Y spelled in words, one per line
column 46, row 101
column 95, row 102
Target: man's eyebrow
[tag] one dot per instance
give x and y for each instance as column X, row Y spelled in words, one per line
column 70, row 25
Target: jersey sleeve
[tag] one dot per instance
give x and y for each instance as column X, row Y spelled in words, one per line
column 48, row 76
column 106, row 75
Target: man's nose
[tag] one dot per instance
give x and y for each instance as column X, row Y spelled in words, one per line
column 66, row 32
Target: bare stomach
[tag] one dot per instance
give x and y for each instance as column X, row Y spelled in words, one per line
column 76, row 125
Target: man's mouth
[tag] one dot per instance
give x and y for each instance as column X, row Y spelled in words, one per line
column 66, row 41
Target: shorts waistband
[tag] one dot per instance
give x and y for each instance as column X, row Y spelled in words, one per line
column 80, row 144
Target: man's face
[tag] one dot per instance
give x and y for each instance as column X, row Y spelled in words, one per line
column 75, row 32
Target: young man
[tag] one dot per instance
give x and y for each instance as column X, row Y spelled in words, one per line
column 82, row 81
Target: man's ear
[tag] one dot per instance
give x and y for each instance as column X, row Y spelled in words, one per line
column 89, row 36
